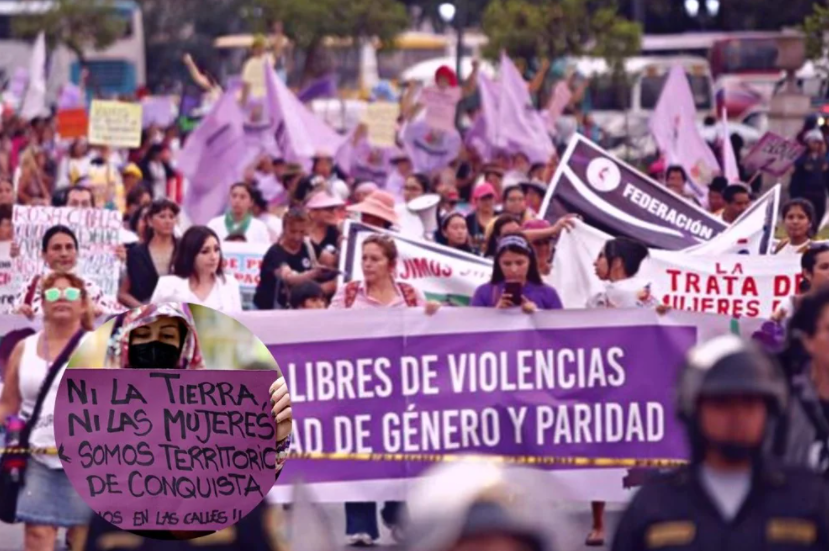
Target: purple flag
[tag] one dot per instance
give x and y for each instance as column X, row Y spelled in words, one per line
column 429, row 149
column 300, row 134
column 363, row 161
column 323, row 87
column 212, row 158
column 519, row 125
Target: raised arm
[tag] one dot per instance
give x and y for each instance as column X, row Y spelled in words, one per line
column 198, row 77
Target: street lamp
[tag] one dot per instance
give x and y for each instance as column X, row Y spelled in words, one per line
column 447, row 12
column 706, row 11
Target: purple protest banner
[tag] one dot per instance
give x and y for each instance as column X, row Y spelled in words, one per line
column 167, row 450
column 773, row 154
column 616, row 198
column 405, row 390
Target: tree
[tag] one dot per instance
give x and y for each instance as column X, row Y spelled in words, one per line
column 528, row 29
column 77, row 24
column 815, row 28
column 308, row 22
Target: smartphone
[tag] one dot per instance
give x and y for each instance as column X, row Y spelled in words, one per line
column 515, row 290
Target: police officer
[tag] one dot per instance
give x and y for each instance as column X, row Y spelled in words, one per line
column 731, row 496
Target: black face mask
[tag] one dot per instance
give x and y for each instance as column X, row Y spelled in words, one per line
column 154, row 355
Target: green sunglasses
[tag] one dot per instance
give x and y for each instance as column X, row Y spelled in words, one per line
column 70, row 293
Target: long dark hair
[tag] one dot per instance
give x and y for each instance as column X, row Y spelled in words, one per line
column 497, row 227
column 157, row 207
column 188, row 249
column 808, row 262
column 808, row 209
column 517, row 244
column 803, row 323
column 630, row 252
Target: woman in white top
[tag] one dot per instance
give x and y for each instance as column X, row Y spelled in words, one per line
column 239, row 219
column 617, row 266
column 198, row 277
column 799, row 222
column 47, row 500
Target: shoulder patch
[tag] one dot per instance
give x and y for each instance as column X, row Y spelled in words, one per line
column 670, row 534
column 791, row 531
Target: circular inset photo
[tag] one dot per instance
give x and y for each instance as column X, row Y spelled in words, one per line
column 172, row 421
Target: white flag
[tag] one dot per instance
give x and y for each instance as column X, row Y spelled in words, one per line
column 729, row 160
column 34, row 102
column 673, row 125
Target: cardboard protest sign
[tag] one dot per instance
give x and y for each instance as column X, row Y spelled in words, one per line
column 167, row 450
column 72, row 123
column 441, row 273
column 7, row 286
column 115, row 123
column 244, row 262
column 98, row 233
column 614, row 197
column 158, row 110
column 381, row 120
column 773, row 154
column 567, row 386
column 440, row 106
column 735, row 285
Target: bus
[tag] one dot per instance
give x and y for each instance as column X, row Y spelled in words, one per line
column 118, row 70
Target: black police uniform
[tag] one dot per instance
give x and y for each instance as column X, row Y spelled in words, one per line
column 785, row 510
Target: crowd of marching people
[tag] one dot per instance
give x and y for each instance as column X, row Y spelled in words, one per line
column 732, row 395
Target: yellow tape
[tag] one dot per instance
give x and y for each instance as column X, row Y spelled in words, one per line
column 447, row 458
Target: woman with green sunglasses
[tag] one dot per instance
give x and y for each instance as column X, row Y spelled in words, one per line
column 47, row 501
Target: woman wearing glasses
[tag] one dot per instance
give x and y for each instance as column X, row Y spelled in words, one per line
column 47, row 501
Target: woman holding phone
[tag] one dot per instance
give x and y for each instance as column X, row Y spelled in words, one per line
column 516, row 280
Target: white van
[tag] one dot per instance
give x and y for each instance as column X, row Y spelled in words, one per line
column 622, row 107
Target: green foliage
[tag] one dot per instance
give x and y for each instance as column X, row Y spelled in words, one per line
column 529, row 29
column 307, row 23
column 76, row 24
column 815, row 28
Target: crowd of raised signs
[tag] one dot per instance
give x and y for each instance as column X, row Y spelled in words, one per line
column 290, row 200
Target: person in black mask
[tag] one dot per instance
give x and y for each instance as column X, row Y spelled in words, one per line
column 155, row 336
column 732, row 495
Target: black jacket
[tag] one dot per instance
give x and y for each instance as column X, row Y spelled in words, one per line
column 142, row 273
column 786, row 509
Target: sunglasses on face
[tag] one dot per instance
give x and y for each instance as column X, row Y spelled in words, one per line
column 54, row 294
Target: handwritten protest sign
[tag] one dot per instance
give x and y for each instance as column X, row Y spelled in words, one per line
column 773, row 154
column 98, row 233
column 381, row 120
column 244, row 262
column 440, row 107
column 173, row 450
column 7, row 287
column 72, row 123
column 115, row 123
